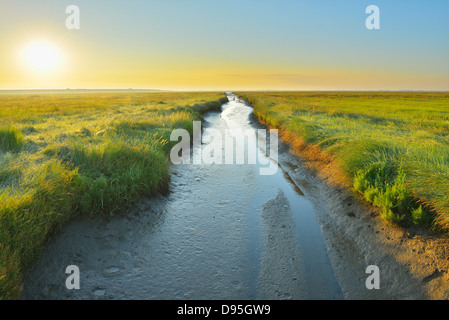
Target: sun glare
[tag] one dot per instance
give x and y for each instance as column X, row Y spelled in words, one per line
column 42, row 56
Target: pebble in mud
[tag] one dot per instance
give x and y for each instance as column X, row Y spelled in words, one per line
column 112, row 270
column 99, row 292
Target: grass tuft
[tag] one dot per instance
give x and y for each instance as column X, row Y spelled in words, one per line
column 11, row 139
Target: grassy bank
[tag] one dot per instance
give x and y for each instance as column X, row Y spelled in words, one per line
column 392, row 149
column 91, row 154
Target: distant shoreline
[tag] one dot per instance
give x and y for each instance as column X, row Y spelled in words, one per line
column 70, row 91
column 55, row 91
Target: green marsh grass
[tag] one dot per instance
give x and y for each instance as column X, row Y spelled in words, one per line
column 11, row 139
column 392, row 146
column 63, row 155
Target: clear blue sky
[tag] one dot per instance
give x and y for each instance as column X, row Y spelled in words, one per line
column 246, row 44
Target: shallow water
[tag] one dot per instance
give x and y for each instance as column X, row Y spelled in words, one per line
column 224, row 232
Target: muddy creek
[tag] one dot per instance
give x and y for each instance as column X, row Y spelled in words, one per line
column 223, row 232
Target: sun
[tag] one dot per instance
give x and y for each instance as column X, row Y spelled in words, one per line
column 42, row 56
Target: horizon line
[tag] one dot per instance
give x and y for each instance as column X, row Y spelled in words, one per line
column 68, row 90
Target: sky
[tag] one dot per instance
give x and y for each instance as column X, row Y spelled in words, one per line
column 226, row 45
